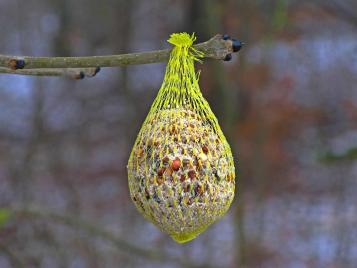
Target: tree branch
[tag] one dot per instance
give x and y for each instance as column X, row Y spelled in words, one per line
column 95, row 231
column 215, row 48
column 73, row 73
column 13, row 258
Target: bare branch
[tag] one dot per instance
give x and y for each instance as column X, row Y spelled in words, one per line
column 13, row 258
column 73, row 73
column 215, row 48
column 96, row 231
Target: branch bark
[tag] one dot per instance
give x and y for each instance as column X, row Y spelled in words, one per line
column 215, row 48
column 73, row 73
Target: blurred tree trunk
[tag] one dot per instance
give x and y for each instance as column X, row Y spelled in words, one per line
column 204, row 20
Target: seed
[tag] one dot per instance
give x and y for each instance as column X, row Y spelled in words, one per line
column 182, row 178
column 156, row 198
column 186, row 188
column 165, row 160
column 188, row 201
column 192, row 174
column 198, row 189
column 139, row 152
column 195, row 162
column 161, row 172
column 175, row 165
column 185, row 162
column 169, row 172
column 147, row 194
column 230, row 177
column 173, row 130
column 205, row 149
column 159, row 180
column 203, row 157
column 149, row 142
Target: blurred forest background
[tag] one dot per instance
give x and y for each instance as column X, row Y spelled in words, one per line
column 287, row 104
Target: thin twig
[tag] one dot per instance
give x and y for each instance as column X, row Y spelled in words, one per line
column 13, row 258
column 215, row 48
column 73, row 73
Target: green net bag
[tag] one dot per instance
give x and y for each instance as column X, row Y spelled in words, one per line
column 181, row 171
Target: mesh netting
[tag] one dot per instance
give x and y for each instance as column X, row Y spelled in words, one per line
column 181, row 171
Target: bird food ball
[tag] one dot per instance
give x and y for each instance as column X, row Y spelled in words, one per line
column 181, row 173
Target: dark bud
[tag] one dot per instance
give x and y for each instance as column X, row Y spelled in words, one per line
column 81, row 75
column 97, row 70
column 20, row 64
column 228, row 57
column 15, row 64
column 226, row 37
column 237, row 45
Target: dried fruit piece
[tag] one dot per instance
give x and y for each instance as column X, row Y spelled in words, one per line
column 182, row 178
column 161, row 172
column 192, row 174
column 176, row 163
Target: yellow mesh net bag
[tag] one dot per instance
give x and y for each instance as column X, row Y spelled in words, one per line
column 181, row 171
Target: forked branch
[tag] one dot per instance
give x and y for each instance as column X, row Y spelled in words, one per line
column 219, row 47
